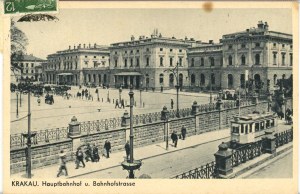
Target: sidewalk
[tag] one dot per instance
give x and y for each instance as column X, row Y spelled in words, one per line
column 118, row 157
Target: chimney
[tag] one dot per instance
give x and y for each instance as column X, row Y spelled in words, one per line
column 132, row 38
column 74, row 47
column 95, row 45
column 211, row 41
column 266, row 26
column 260, row 25
column 69, row 47
column 79, row 46
column 89, row 45
column 83, row 45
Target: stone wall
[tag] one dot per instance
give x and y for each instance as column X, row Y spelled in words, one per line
column 42, row 155
column 116, row 137
column 144, row 134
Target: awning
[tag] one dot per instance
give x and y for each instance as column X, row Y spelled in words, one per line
column 65, row 74
column 128, row 73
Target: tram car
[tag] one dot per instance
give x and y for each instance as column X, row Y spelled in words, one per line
column 252, row 127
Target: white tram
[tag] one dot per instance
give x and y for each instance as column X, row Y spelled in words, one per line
column 252, row 127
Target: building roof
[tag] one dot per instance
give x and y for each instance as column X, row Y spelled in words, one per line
column 31, row 58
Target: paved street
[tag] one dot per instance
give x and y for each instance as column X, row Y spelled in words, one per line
column 60, row 113
column 281, row 168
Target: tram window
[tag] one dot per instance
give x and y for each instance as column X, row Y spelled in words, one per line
column 250, row 131
column 242, row 128
column 262, row 125
column 256, row 126
column 246, row 129
column 235, row 129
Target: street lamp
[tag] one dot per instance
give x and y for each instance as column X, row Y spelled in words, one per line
column 141, row 89
column 17, row 93
column 175, row 72
column 28, row 136
column 131, row 165
column 120, row 93
column 210, row 93
column 165, row 117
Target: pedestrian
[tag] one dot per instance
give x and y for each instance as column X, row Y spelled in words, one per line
column 79, row 158
column 183, row 132
column 127, row 149
column 88, row 153
column 117, row 104
column 39, row 101
column 82, row 93
column 62, row 158
column 96, row 156
column 107, row 147
column 172, row 103
column 174, row 138
column 122, row 103
column 96, row 91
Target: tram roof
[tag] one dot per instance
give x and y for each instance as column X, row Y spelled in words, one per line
column 250, row 118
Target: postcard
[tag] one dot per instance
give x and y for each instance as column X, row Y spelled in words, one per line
column 150, row 97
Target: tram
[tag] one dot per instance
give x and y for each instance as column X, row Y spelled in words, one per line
column 252, row 127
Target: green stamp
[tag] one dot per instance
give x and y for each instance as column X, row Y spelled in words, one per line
column 29, row 6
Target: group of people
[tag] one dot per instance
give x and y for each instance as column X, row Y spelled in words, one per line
column 175, row 138
column 120, row 104
column 91, row 153
column 85, row 93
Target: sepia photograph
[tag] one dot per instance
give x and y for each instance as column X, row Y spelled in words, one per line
column 150, row 93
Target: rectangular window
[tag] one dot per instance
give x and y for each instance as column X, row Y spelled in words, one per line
column 116, row 52
column 125, row 52
column 291, row 59
column 32, row 64
column 131, row 51
column 256, row 127
column 274, row 44
column 147, row 49
column 137, row 51
column 283, row 59
column 161, row 61
column 193, row 62
column 243, row 46
column 171, row 50
column 242, row 128
column 131, row 62
column 274, row 58
column 138, row 62
column 283, row 45
column 161, row 49
column 180, row 50
column 125, row 62
column 26, row 64
column 180, row 61
column 147, row 61
column 95, row 57
column 257, row 44
column 171, row 61
column 116, row 62
column 235, row 129
column 230, row 46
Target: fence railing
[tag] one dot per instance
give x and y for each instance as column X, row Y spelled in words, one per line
column 42, row 136
column 283, row 137
column 90, row 127
column 207, row 171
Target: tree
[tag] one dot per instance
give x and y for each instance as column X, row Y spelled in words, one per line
column 19, row 42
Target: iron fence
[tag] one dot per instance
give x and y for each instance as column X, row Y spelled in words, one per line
column 283, row 137
column 91, row 127
column 207, row 171
column 42, row 136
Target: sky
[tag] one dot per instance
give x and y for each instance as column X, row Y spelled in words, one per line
column 107, row 26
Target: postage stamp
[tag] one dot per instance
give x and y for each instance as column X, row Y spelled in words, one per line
column 29, row 6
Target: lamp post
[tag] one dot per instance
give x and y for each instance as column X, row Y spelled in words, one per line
column 28, row 136
column 210, row 93
column 17, row 93
column 164, row 117
column 177, row 89
column 131, row 165
column 141, row 89
column 120, row 93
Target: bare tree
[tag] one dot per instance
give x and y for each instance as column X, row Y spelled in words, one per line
column 19, row 42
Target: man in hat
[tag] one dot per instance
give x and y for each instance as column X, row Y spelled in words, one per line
column 79, row 158
column 107, row 147
column 174, row 138
column 127, row 149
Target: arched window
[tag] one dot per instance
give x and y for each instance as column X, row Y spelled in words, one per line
column 193, row 79
column 230, row 60
column 242, row 80
column 230, row 81
column 180, row 80
column 275, row 79
column 257, row 79
column 243, row 60
column 171, row 80
column 202, row 61
column 161, row 78
column 257, row 58
column 202, row 79
column 212, row 79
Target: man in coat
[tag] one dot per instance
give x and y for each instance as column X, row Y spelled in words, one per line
column 79, row 158
column 62, row 158
column 107, row 147
column 174, row 138
column 127, row 149
column 183, row 132
column 96, row 156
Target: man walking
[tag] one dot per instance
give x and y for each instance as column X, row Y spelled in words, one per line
column 107, row 147
column 183, row 132
column 127, row 149
column 172, row 103
column 174, row 138
column 79, row 158
column 88, row 153
column 62, row 158
column 96, row 156
column 117, row 103
column 122, row 103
